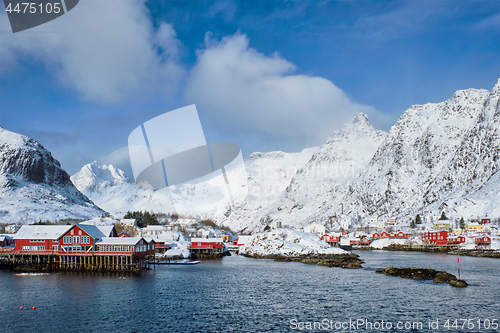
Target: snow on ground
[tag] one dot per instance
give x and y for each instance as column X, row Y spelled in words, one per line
column 495, row 244
column 287, row 242
column 381, row 243
column 177, row 240
column 101, row 221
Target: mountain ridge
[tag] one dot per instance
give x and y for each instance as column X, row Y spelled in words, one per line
column 34, row 186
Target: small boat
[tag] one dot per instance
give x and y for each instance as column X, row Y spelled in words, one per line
column 177, row 262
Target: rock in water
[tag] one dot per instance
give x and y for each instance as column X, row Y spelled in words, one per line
column 424, row 274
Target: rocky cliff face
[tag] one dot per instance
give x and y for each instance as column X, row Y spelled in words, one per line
column 33, row 186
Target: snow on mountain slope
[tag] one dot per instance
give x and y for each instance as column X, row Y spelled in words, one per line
column 435, row 153
column 93, row 177
column 474, row 167
column 34, row 187
column 417, row 148
column 342, row 157
column 108, row 188
column 268, row 176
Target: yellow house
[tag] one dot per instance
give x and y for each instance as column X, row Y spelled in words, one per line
column 475, row 227
column 441, row 225
column 457, row 231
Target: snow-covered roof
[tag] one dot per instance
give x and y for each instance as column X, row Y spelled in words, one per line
column 2, row 238
column 119, row 241
column 243, row 239
column 150, row 238
column 8, row 236
column 105, row 229
column 210, row 240
column 153, row 227
column 454, row 237
column 42, row 231
column 93, row 231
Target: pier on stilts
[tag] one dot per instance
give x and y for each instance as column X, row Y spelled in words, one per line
column 76, row 262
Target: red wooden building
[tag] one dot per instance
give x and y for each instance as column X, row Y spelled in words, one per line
column 384, row 234
column 455, row 240
column 484, row 241
column 206, row 245
column 6, row 240
column 485, row 221
column 81, row 247
column 363, row 241
column 333, row 240
column 376, row 235
column 241, row 240
column 435, row 237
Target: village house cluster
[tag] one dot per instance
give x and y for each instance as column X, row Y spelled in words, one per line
column 430, row 232
column 93, row 246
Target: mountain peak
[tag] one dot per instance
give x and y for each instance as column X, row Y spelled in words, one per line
column 496, row 88
column 34, row 183
column 93, row 176
column 361, row 119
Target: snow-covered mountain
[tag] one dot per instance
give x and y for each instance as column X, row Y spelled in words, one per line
column 34, row 187
column 438, row 156
column 268, row 176
column 108, row 188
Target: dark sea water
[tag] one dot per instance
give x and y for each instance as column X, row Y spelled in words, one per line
column 238, row 294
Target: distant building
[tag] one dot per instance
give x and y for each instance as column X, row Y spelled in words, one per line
column 485, row 221
column 441, row 225
column 12, row 228
column 484, row 241
column 474, row 227
column 206, row 245
column 347, row 222
column 455, row 240
column 436, row 237
column 128, row 222
column 391, row 222
column 333, row 239
column 315, row 228
column 241, row 240
column 152, row 230
column 6, row 240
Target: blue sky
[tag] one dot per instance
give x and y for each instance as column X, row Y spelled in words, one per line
column 267, row 75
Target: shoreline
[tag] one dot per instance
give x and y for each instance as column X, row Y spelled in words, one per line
column 344, row 260
column 484, row 253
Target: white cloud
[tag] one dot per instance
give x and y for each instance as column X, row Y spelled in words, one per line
column 252, row 94
column 107, row 50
